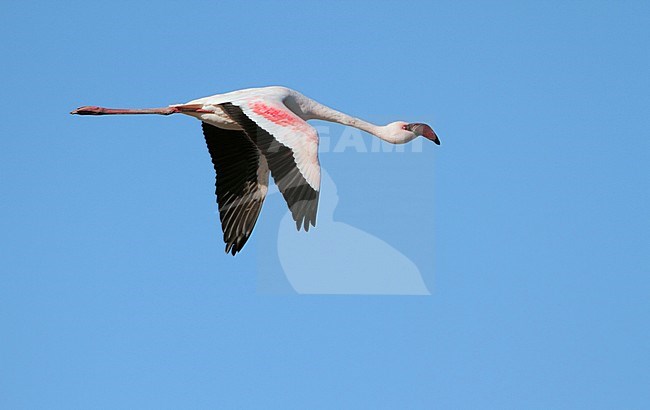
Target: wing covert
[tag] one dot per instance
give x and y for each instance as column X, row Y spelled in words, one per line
column 290, row 147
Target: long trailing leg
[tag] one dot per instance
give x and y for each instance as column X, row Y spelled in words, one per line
column 94, row 110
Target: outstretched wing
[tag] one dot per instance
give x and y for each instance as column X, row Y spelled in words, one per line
column 290, row 147
column 242, row 182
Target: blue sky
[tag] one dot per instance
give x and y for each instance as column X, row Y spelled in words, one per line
column 530, row 221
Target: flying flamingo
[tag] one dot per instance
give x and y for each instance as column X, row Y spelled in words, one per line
column 253, row 131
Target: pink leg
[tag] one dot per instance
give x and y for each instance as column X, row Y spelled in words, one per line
column 94, row 110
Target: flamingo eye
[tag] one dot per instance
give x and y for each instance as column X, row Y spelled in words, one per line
column 405, row 127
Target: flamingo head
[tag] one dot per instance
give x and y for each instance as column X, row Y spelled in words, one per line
column 422, row 129
column 403, row 131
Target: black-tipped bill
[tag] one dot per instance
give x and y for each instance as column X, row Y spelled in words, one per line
column 423, row 129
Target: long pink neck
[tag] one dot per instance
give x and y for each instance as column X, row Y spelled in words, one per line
column 318, row 111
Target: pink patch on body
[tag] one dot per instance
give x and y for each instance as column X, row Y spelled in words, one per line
column 276, row 115
column 284, row 118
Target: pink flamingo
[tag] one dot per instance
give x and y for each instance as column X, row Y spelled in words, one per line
column 255, row 131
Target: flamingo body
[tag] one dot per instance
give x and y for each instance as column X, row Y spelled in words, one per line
column 255, row 132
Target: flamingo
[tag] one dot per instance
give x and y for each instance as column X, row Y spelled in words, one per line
column 253, row 132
